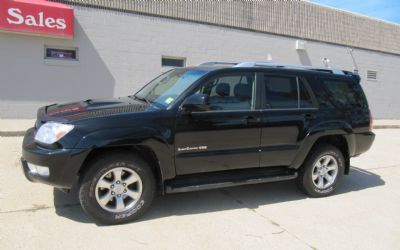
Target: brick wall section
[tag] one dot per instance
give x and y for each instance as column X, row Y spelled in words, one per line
column 290, row 18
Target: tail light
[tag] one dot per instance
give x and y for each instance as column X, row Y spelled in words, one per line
column 371, row 122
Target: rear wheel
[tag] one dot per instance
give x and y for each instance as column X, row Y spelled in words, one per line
column 117, row 188
column 322, row 171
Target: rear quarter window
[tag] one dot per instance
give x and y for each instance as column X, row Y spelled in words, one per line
column 344, row 93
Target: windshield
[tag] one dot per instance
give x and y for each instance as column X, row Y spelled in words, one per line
column 166, row 88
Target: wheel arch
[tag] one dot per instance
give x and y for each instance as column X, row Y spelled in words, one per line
column 145, row 142
column 144, row 152
column 340, row 142
column 341, row 139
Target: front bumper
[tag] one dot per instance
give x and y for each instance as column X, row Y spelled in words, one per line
column 63, row 164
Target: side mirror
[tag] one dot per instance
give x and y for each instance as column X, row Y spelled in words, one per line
column 196, row 102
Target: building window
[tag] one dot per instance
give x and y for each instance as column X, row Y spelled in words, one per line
column 61, row 53
column 372, row 75
column 176, row 62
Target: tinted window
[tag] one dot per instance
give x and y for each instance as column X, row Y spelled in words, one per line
column 233, row 92
column 305, row 98
column 345, row 93
column 281, row 92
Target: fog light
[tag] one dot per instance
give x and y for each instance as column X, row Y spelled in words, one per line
column 40, row 170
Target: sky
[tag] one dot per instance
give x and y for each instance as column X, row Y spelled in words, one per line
column 388, row 10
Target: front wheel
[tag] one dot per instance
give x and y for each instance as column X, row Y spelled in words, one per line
column 322, row 171
column 117, row 188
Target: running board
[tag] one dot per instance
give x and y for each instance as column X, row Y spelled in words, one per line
column 198, row 183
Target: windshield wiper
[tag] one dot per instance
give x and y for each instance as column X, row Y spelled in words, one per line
column 143, row 99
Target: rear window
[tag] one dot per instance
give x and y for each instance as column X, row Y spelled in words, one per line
column 345, row 93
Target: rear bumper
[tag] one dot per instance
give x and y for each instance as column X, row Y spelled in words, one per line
column 63, row 164
column 363, row 142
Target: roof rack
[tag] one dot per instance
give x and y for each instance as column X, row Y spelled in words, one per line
column 289, row 66
column 217, row 63
column 270, row 64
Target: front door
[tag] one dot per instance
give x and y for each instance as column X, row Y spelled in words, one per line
column 227, row 136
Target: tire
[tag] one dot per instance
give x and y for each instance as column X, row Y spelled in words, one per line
column 101, row 190
column 313, row 177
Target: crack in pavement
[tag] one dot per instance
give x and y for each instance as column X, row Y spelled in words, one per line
column 38, row 208
column 272, row 222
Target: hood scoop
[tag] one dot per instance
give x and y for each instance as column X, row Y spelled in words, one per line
column 106, row 112
column 90, row 109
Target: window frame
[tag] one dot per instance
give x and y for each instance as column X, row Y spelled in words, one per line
column 298, row 78
column 310, row 92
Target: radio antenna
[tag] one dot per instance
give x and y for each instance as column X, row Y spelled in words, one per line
column 355, row 69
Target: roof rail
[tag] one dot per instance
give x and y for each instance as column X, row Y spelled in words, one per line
column 288, row 66
column 217, row 63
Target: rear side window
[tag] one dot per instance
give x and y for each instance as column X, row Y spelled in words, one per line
column 286, row 92
column 281, row 92
column 345, row 93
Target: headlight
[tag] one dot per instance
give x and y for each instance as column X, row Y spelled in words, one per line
column 51, row 132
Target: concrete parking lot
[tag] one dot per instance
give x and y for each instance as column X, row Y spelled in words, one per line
column 364, row 214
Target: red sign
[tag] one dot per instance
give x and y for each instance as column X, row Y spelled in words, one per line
column 38, row 17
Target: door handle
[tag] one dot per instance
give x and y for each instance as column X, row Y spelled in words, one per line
column 250, row 120
column 309, row 116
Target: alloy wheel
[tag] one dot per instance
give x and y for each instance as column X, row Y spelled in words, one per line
column 118, row 190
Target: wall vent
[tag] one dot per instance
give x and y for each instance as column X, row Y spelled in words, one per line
column 372, row 75
column 175, row 62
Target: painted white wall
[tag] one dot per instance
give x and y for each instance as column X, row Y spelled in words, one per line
column 119, row 52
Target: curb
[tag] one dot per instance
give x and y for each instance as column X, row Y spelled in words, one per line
column 386, row 126
column 11, row 133
column 22, row 133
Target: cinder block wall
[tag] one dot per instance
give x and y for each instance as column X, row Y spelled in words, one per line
column 119, row 52
column 295, row 18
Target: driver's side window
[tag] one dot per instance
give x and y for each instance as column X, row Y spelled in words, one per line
column 230, row 92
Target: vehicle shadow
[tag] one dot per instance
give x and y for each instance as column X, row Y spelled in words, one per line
column 249, row 196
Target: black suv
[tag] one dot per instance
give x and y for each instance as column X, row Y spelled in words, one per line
column 197, row 128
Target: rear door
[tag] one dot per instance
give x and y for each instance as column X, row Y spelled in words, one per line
column 226, row 137
column 288, row 107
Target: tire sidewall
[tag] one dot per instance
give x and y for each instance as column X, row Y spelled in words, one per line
column 88, row 188
column 307, row 181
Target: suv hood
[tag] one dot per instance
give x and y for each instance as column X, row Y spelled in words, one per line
column 75, row 111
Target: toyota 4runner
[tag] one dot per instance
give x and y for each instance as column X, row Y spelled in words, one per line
column 211, row 126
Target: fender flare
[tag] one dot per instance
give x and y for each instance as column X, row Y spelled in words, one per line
column 329, row 128
column 129, row 137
